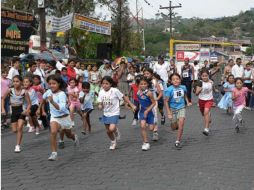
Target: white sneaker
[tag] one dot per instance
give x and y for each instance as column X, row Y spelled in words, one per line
column 31, row 130
column 53, row 156
column 145, row 146
column 17, row 149
column 117, row 134
column 76, row 141
column 206, row 132
column 37, row 131
column 112, row 145
column 134, row 122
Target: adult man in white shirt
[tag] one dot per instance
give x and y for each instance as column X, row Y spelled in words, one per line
column 14, row 70
column 60, row 65
column 162, row 68
column 40, row 71
column 105, row 69
column 237, row 69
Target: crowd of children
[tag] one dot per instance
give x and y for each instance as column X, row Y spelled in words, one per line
column 46, row 95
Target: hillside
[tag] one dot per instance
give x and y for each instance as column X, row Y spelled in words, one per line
column 240, row 26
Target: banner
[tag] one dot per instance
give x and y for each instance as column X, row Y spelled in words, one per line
column 193, row 56
column 187, row 47
column 16, row 28
column 91, row 25
column 204, row 54
column 56, row 24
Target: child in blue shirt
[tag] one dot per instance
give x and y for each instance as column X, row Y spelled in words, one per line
column 86, row 98
column 60, row 115
column 175, row 102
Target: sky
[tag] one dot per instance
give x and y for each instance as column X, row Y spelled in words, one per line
column 190, row 8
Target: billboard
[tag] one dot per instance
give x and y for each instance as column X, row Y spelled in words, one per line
column 187, row 47
column 56, row 24
column 91, row 25
column 192, row 55
column 16, row 28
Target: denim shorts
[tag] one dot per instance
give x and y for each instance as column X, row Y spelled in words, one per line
column 110, row 120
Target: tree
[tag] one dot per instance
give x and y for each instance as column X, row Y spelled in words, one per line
column 250, row 50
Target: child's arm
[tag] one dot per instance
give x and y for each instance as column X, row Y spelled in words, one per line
column 234, row 95
column 150, row 95
column 198, row 90
column 127, row 100
column 170, row 115
column 81, row 99
column 26, row 112
column 130, row 91
column 187, row 100
column 160, row 94
column 251, row 91
column 3, row 101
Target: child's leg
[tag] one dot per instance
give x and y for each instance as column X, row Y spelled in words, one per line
column 143, row 131
column 84, row 119
column 180, row 128
column 207, row 117
column 72, row 110
column 69, row 134
column 88, row 122
column 61, row 134
column 109, row 132
column 54, row 127
column 20, row 131
column 14, row 127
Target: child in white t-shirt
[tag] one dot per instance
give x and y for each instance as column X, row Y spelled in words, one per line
column 109, row 100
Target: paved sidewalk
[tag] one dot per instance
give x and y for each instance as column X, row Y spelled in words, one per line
column 222, row 161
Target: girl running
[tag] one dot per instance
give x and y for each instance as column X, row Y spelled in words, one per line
column 226, row 102
column 204, row 92
column 239, row 102
column 18, row 96
column 109, row 100
column 60, row 115
column 146, row 114
column 73, row 97
column 94, row 80
column 175, row 98
column 155, row 88
column 86, row 99
column 27, row 83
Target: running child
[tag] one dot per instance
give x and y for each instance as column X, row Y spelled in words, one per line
column 27, row 83
column 239, row 102
column 5, row 85
column 86, row 99
column 94, row 80
column 175, row 98
column 204, row 92
column 226, row 102
column 146, row 114
column 73, row 97
column 18, row 96
column 60, row 115
column 155, row 88
column 109, row 100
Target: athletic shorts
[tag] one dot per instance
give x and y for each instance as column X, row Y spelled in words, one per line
column 16, row 114
column 160, row 103
column 149, row 119
column 76, row 105
column 110, row 120
column 177, row 114
column 64, row 122
column 33, row 110
column 87, row 110
column 205, row 104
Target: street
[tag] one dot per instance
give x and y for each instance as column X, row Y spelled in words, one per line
column 222, row 161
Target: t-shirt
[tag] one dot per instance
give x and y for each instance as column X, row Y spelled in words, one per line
column 59, row 65
column 134, row 88
column 88, row 100
column 242, row 94
column 237, row 71
column 110, row 100
column 33, row 97
column 12, row 72
column 71, row 73
column 247, row 74
column 207, row 91
column 59, row 98
column 196, row 71
column 5, row 84
column 38, row 89
column 70, row 91
column 162, row 70
column 86, row 76
column 176, row 96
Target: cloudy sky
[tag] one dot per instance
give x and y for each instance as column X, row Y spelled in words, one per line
column 190, row 8
column 195, row 8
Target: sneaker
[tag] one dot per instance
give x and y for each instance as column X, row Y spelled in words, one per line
column 206, row 132
column 83, row 132
column 61, row 144
column 17, row 149
column 53, row 156
column 31, row 130
column 112, row 145
column 145, row 146
column 163, row 120
column 134, row 122
column 237, row 130
column 155, row 136
column 37, row 131
column 117, row 134
column 178, row 145
column 76, row 141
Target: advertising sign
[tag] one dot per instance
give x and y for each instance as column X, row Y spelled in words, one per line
column 193, row 56
column 16, row 28
column 187, row 47
column 204, row 54
column 91, row 25
column 56, row 24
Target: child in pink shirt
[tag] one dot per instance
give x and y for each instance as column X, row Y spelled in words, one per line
column 239, row 102
column 73, row 97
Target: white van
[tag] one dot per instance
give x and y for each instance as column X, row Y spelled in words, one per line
column 35, row 44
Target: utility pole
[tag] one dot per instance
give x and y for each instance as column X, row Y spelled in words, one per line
column 137, row 16
column 42, row 14
column 171, row 13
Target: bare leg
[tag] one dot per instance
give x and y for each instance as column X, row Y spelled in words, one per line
column 20, row 131
column 180, row 128
column 143, row 131
column 207, row 118
column 110, row 133
column 53, row 135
